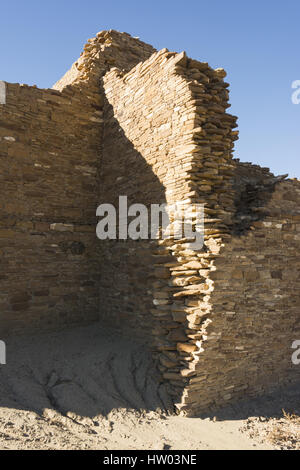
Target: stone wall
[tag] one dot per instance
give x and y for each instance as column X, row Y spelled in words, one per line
column 143, row 145
column 254, row 316
column 49, row 160
column 50, row 156
column 167, row 138
column 108, row 49
column 127, row 120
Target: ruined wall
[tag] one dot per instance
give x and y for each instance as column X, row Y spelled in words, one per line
column 167, row 138
column 145, row 112
column 50, row 154
column 49, row 158
column 255, row 302
column 252, row 314
column 153, row 126
column 108, row 49
column 217, row 315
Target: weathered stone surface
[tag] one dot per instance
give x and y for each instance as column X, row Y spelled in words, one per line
column 152, row 125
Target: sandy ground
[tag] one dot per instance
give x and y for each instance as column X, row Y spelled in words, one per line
column 91, row 389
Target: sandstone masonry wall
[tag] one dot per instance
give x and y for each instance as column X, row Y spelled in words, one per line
column 49, row 159
column 254, row 317
column 127, row 120
column 50, row 154
column 167, row 138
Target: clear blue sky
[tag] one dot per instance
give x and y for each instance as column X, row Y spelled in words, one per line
column 257, row 42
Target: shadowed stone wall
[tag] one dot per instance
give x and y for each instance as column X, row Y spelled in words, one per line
column 127, row 120
column 49, row 159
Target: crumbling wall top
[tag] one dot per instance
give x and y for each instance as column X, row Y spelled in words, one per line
column 107, row 49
